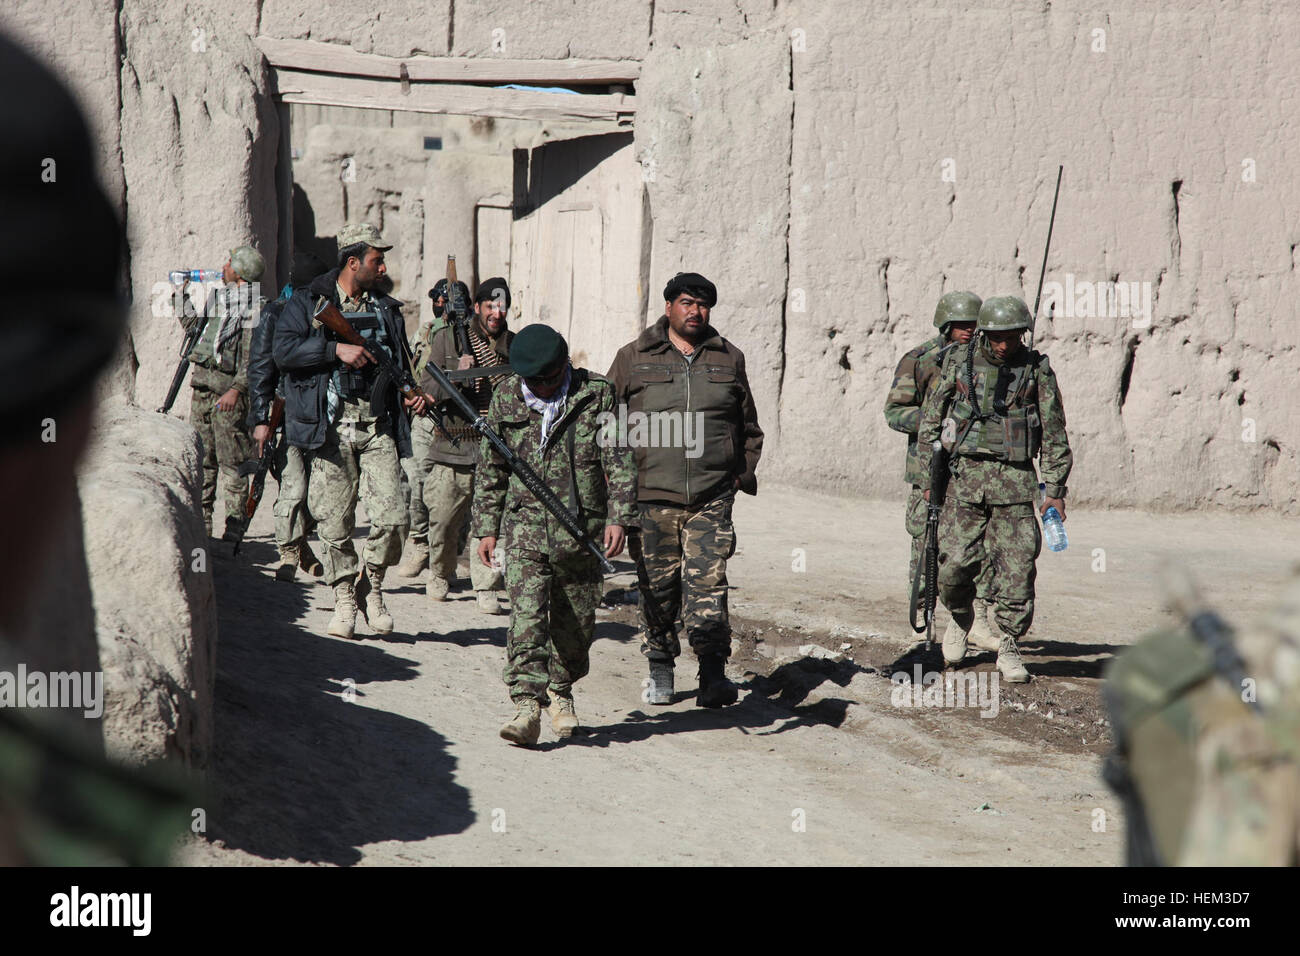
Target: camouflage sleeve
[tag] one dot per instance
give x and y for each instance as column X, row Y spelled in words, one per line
column 619, row 465
column 491, row 480
column 1055, row 458
column 1247, row 795
column 930, row 426
column 753, row 434
column 903, row 403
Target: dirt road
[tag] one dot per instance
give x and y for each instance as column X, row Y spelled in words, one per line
column 384, row 751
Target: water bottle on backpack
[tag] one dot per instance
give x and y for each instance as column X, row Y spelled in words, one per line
column 1053, row 525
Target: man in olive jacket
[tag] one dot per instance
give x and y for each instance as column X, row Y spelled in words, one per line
column 688, row 412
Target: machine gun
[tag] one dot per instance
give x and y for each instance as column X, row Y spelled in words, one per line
column 457, row 310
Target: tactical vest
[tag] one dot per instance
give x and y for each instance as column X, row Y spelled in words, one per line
column 359, row 383
column 996, row 408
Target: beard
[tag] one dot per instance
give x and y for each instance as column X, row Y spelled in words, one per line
column 382, row 285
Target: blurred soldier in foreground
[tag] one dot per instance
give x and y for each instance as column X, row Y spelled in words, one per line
column 219, row 406
column 686, row 384
column 917, row 371
column 551, row 418
column 1207, row 736
column 61, row 803
column 293, row 521
column 1005, row 411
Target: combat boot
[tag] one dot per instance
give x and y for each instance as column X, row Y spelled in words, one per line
column 487, row 602
column 437, row 587
column 661, row 682
column 564, row 720
column 527, row 725
column 233, row 526
column 954, row 638
column 1009, row 662
column 417, row 558
column 981, row 636
column 308, row 560
column 289, row 557
column 344, row 622
column 370, row 598
column 715, row 689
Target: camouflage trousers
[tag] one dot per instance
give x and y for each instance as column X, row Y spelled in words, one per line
column 226, row 446
column 1003, row 537
column 417, row 471
column 917, row 512
column 681, row 565
column 448, row 492
column 358, row 458
column 552, row 620
column 293, row 521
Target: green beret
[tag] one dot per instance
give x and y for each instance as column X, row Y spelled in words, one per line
column 536, row 348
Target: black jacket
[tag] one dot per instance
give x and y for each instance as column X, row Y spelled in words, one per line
column 263, row 376
column 306, row 358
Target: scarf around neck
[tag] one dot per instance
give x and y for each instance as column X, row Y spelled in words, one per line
column 551, row 408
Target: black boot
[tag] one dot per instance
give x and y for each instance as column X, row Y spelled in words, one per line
column 661, row 682
column 715, row 689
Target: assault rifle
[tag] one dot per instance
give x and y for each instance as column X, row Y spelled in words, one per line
column 927, row 569
column 328, row 314
column 187, row 346
column 258, row 467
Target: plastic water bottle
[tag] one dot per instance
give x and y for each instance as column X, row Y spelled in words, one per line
column 1053, row 525
column 178, row 276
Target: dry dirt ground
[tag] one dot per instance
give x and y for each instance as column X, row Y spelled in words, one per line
column 385, row 750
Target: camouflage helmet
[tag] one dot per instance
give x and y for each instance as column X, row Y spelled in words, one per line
column 1004, row 313
column 247, row 263
column 956, row 307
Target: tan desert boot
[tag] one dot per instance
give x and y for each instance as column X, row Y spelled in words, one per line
column 527, row 725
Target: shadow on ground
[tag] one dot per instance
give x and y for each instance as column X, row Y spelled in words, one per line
column 299, row 771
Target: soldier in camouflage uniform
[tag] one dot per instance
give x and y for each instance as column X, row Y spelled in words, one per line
column 351, row 420
column 1207, row 756
column 219, row 405
column 552, row 419
column 449, row 471
column 422, row 439
column 999, row 406
column 680, row 373
column 955, row 318
column 62, row 802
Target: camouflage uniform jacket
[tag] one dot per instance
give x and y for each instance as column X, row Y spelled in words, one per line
column 1014, row 415
column 218, row 369
column 917, row 371
column 1209, row 781
column 597, row 483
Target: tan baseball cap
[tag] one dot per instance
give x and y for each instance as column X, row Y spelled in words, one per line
column 355, row 232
